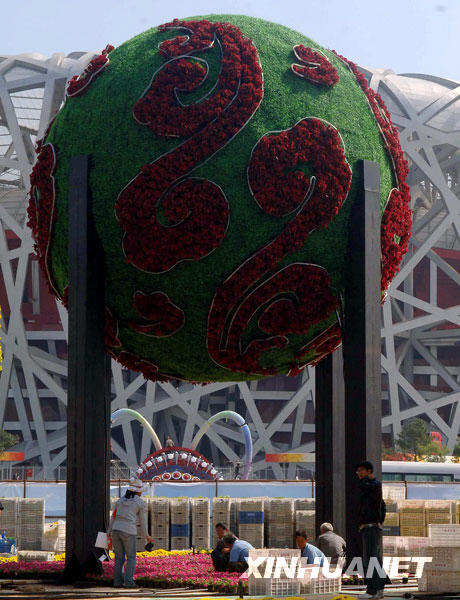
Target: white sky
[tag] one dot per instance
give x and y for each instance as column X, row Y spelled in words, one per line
column 408, row 36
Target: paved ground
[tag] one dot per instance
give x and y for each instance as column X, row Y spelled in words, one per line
column 33, row 590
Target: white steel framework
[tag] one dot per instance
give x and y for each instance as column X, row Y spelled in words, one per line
column 420, row 332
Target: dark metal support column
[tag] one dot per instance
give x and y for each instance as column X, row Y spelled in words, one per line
column 330, row 442
column 88, row 408
column 362, row 343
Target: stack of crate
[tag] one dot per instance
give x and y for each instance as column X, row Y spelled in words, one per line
column 438, row 512
column 391, row 525
column 405, row 546
column 394, row 491
column 140, row 539
column 34, row 556
column 159, row 522
column 304, row 504
column 457, row 520
column 200, row 523
column 390, row 545
column 54, row 537
column 180, row 523
column 442, row 575
column 251, row 521
column 221, row 511
column 412, row 518
column 9, row 517
column 391, row 505
column 280, row 522
column 305, row 520
column 414, row 546
column 31, row 523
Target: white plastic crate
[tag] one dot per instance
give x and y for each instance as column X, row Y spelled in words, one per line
column 396, row 491
column 34, row 556
column 306, row 520
column 304, row 504
column 179, row 511
column 391, row 519
column 161, row 543
column 405, row 546
column 200, row 522
column 390, row 545
column 180, row 543
column 439, row 581
column 54, row 537
column 282, row 587
column 411, row 505
column 414, row 546
column 273, row 587
column 9, row 517
column 319, row 584
column 221, row 513
column 252, row 533
column 323, row 586
column 445, row 559
column 444, row 535
column 31, row 523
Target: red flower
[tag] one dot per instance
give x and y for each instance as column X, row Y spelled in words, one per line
column 396, row 220
column 164, row 317
column 197, row 210
column 79, row 83
column 315, row 66
column 42, row 211
column 290, row 300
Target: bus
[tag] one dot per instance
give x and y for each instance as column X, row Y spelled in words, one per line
column 420, row 471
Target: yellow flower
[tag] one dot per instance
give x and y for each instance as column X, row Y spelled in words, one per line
column 7, row 559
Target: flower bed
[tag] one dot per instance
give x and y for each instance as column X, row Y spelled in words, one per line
column 153, row 569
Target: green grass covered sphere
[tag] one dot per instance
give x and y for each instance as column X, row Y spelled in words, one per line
column 223, row 153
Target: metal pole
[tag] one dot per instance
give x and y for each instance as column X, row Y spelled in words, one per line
column 330, row 442
column 361, row 344
column 88, row 414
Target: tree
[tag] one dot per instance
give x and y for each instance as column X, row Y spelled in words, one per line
column 434, row 453
column 414, row 438
column 456, row 451
column 6, row 440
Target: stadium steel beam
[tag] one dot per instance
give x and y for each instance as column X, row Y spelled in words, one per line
column 88, row 404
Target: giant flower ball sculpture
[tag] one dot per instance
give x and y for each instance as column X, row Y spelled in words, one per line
column 224, row 155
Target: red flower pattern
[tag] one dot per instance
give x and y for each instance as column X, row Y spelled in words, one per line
column 315, row 67
column 42, row 210
column 79, row 83
column 396, row 220
column 283, row 301
column 197, row 210
column 294, row 298
column 164, row 317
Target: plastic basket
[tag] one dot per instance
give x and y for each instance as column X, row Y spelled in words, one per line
column 445, row 559
column 7, row 546
column 444, row 535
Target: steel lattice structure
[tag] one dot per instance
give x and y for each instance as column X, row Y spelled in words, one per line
column 421, row 320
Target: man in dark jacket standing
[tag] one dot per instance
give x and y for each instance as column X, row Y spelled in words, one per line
column 370, row 526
